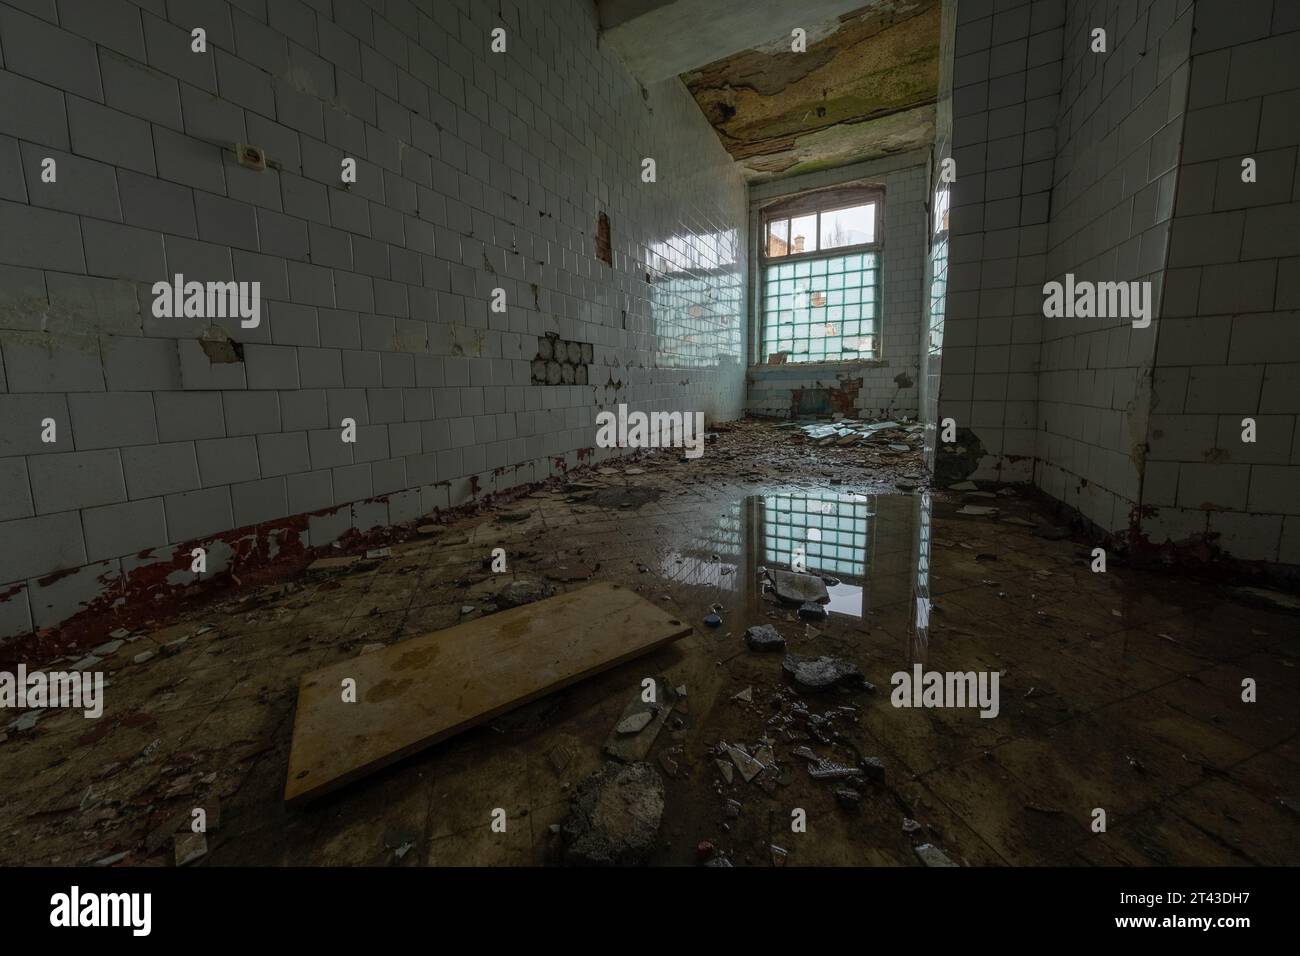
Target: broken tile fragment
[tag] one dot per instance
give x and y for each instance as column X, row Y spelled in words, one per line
column 749, row 767
column 635, row 723
column 931, row 855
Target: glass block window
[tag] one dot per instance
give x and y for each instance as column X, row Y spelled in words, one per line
column 821, row 277
column 821, row 310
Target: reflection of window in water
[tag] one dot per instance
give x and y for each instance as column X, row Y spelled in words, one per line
column 717, row 549
column 831, row 529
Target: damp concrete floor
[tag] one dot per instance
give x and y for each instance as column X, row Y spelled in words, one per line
column 1119, row 691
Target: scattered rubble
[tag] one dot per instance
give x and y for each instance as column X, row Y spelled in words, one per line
column 896, row 436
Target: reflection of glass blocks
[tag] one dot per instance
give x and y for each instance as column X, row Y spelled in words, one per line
column 831, row 528
column 695, row 298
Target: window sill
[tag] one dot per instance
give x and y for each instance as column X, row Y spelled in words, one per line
column 874, row 362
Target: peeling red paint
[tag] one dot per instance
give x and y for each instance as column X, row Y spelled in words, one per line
column 843, row 398
column 260, row 554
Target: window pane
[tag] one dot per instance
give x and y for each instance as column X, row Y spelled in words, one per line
column 803, row 232
column 778, row 238
column 849, row 227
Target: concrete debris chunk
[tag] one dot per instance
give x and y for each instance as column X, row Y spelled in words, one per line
column 812, row 611
column 821, row 673
column 798, row 588
column 764, row 637
column 615, row 815
column 727, row 770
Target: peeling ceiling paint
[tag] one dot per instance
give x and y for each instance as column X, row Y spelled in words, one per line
column 865, row 87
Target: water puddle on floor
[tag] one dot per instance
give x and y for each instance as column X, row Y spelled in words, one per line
column 871, row 552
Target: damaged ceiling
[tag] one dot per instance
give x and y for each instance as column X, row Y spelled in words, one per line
column 865, row 87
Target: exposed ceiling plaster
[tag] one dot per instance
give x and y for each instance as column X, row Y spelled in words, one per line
column 865, row 87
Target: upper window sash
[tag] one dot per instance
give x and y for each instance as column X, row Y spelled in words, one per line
column 778, row 219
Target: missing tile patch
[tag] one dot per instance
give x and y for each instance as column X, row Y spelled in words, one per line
column 603, row 250
column 561, row 362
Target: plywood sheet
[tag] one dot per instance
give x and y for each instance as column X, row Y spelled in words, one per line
column 416, row 693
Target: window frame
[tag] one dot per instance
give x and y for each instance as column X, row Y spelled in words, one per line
column 817, row 202
column 821, row 201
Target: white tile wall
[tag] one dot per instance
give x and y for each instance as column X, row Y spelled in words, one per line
column 1228, row 347
column 476, row 170
column 1005, row 101
column 1116, row 166
column 1141, row 149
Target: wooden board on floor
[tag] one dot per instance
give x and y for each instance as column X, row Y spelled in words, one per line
column 415, row 693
